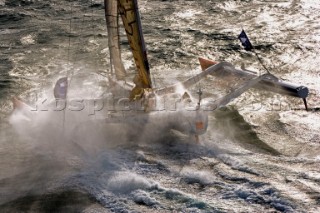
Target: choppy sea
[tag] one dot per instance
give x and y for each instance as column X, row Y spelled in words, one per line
column 261, row 153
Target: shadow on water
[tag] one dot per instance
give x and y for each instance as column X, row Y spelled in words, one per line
column 5, row 79
column 232, row 124
column 65, row 201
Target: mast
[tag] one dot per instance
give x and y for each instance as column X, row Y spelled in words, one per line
column 111, row 13
column 129, row 12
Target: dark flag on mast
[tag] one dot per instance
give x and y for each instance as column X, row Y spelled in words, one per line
column 61, row 88
column 245, row 41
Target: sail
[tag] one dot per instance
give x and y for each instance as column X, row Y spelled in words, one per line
column 61, row 88
column 112, row 18
column 128, row 10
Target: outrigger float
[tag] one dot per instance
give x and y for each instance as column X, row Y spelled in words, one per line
column 270, row 83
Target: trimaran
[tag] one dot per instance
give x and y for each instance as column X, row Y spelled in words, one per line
column 141, row 90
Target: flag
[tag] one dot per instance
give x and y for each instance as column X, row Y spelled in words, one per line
column 245, row 41
column 61, row 88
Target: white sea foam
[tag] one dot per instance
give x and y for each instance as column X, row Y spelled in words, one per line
column 143, row 197
column 193, row 176
column 236, row 163
column 126, row 182
column 27, row 40
column 188, row 14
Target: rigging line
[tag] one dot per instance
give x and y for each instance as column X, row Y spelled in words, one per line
column 199, row 92
column 70, row 30
column 111, row 72
column 192, row 71
column 154, row 80
column 68, row 72
column 119, row 37
column 69, row 46
column 112, row 68
column 260, row 61
column 118, row 30
column 194, row 75
column 199, row 83
column 94, row 35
